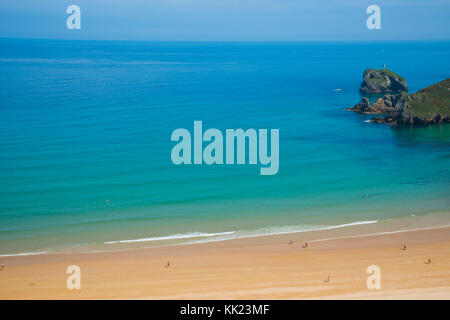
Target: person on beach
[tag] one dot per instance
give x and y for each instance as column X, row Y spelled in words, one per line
column 167, row 265
column 429, row 261
column 291, row 242
column 306, row 245
column 327, row 280
column 2, row 267
column 403, row 248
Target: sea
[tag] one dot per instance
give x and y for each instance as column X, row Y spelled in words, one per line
column 85, row 142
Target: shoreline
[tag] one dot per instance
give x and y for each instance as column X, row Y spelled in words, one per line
column 314, row 234
column 305, row 232
column 253, row 268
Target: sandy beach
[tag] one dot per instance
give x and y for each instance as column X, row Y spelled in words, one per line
column 256, row 268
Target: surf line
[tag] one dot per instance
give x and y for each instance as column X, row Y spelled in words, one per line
column 213, row 153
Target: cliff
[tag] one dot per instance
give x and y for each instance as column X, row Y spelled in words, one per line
column 382, row 81
column 430, row 105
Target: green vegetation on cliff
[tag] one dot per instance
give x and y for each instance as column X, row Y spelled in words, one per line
column 431, row 101
column 392, row 74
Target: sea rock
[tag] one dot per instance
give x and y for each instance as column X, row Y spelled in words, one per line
column 362, row 107
column 382, row 81
column 384, row 105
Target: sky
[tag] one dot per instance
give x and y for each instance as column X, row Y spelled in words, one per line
column 226, row 20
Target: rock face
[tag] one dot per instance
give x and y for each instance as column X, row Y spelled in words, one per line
column 412, row 121
column 362, row 107
column 382, row 81
column 385, row 104
column 427, row 106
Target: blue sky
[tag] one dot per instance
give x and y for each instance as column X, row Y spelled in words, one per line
column 227, row 20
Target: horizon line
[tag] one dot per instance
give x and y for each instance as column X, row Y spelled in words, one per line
column 234, row 41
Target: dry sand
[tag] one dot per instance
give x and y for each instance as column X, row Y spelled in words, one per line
column 256, row 268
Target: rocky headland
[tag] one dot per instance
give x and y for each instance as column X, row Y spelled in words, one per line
column 430, row 105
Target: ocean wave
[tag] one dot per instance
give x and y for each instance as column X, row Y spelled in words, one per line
column 173, row 237
column 295, row 229
column 23, row 254
column 280, row 230
column 229, row 235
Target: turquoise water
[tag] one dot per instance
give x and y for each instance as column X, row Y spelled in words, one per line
column 85, row 141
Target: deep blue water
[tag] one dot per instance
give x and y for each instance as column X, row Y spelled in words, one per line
column 85, row 144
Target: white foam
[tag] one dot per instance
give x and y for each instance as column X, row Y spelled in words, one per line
column 381, row 233
column 173, row 236
column 280, row 230
column 23, row 254
column 228, row 235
